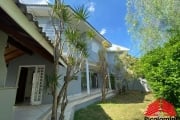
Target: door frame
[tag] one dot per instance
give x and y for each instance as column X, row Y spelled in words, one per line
column 27, row 66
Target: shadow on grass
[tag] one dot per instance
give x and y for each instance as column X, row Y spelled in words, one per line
column 128, row 97
column 92, row 112
column 98, row 111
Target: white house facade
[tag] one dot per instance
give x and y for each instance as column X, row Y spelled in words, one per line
column 25, row 53
column 89, row 78
column 26, row 56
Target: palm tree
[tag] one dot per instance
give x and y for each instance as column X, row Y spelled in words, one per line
column 71, row 46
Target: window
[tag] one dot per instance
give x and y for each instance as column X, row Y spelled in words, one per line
column 95, row 47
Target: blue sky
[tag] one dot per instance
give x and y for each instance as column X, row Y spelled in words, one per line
column 108, row 17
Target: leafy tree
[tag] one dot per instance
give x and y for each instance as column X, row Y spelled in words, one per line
column 149, row 20
column 161, row 67
column 70, row 45
column 124, row 65
column 156, row 26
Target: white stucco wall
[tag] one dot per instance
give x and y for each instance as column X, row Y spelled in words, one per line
column 73, row 88
column 13, row 68
column 93, row 47
column 3, row 69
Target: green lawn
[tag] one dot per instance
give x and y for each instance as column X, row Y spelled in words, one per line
column 121, row 107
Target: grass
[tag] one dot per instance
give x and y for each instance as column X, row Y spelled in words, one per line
column 130, row 106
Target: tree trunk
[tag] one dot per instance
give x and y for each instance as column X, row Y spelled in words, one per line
column 54, row 89
column 64, row 87
column 64, row 103
column 54, row 107
column 104, row 88
column 62, row 97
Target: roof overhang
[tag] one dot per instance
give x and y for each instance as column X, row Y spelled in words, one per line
column 44, row 10
column 10, row 7
column 117, row 48
column 86, row 25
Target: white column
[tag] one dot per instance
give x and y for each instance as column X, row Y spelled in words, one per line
column 87, row 76
column 109, row 79
column 3, row 69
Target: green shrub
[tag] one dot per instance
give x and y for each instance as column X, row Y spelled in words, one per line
column 161, row 68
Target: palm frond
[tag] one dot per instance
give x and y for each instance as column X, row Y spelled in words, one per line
column 65, row 14
column 52, row 80
column 82, row 46
column 60, row 11
column 91, row 34
column 71, row 61
column 81, row 13
column 72, row 35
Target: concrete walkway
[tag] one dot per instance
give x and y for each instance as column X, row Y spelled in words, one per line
column 43, row 112
column 30, row 112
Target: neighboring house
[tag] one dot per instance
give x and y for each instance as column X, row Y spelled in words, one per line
column 25, row 57
column 119, row 74
column 112, row 53
column 89, row 78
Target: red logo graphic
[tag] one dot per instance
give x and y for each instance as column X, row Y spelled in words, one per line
column 160, row 108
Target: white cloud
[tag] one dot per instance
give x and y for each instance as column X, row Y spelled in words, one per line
column 91, row 7
column 103, row 31
column 34, row 1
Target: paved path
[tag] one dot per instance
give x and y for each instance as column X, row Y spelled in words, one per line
column 43, row 112
column 30, row 112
